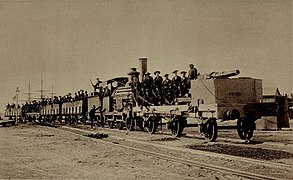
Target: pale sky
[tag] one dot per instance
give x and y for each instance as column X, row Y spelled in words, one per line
column 73, row 41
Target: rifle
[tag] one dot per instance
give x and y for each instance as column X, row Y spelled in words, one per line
column 92, row 83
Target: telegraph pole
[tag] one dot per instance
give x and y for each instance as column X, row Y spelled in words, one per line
column 16, row 95
column 29, row 89
column 42, row 82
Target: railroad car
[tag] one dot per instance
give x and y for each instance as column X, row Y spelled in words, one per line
column 49, row 112
column 12, row 112
column 212, row 97
column 74, row 111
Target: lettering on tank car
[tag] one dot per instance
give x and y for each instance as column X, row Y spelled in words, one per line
column 235, row 93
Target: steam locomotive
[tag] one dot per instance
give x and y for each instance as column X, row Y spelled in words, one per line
column 212, row 97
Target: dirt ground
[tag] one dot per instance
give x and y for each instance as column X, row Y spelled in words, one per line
column 34, row 152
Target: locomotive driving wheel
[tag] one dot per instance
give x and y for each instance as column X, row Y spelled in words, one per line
column 245, row 128
column 151, row 125
column 75, row 120
column 209, row 130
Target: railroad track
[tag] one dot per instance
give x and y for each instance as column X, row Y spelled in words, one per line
column 234, row 142
column 192, row 151
column 207, row 166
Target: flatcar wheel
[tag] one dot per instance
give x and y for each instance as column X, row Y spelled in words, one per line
column 151, row 126
column 60, row 120
column 129, row 124
column 75, row 121
column 66, row 120
column 210, row 130
column 176, row 128
column 245, row 128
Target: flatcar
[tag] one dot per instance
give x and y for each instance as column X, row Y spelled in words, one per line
column 12, row 112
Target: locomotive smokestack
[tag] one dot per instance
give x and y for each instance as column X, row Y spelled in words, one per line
column 143, row 65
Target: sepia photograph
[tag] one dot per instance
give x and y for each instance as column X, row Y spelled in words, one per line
column 146, row 89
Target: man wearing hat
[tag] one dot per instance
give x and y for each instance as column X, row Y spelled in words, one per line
column 76, row 97
column 176, row 81
column 133, row 78
column 148, row 87
column 167, row 90
column 97, row 85
column 192, row 73
column 158, row 88
column 185, row 84
column 134, row 84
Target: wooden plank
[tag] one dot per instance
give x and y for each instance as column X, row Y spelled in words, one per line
column 162, row 109
column 5, row 122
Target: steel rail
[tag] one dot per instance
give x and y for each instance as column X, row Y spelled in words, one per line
column 199, row 152
column 175, row 159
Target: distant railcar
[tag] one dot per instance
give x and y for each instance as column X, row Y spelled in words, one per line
column 12, row 112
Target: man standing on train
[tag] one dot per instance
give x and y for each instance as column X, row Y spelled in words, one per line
column 176, row 81
column 158, row 88
column 185, row 84
column 192, row 73
column 97, row 85
column 167, row 90
column 148, row 87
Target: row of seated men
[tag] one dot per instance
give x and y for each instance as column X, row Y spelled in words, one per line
column 33, row 106
column 11, row 106
column 159, row 91
column 80, row 95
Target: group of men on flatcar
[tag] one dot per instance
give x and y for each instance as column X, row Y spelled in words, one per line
column 12, row 106
column 79, row 95
column 159, row 91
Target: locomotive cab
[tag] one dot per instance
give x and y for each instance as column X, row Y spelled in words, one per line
column 104, row 98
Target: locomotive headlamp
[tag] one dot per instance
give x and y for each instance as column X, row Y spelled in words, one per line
column 115, row 84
